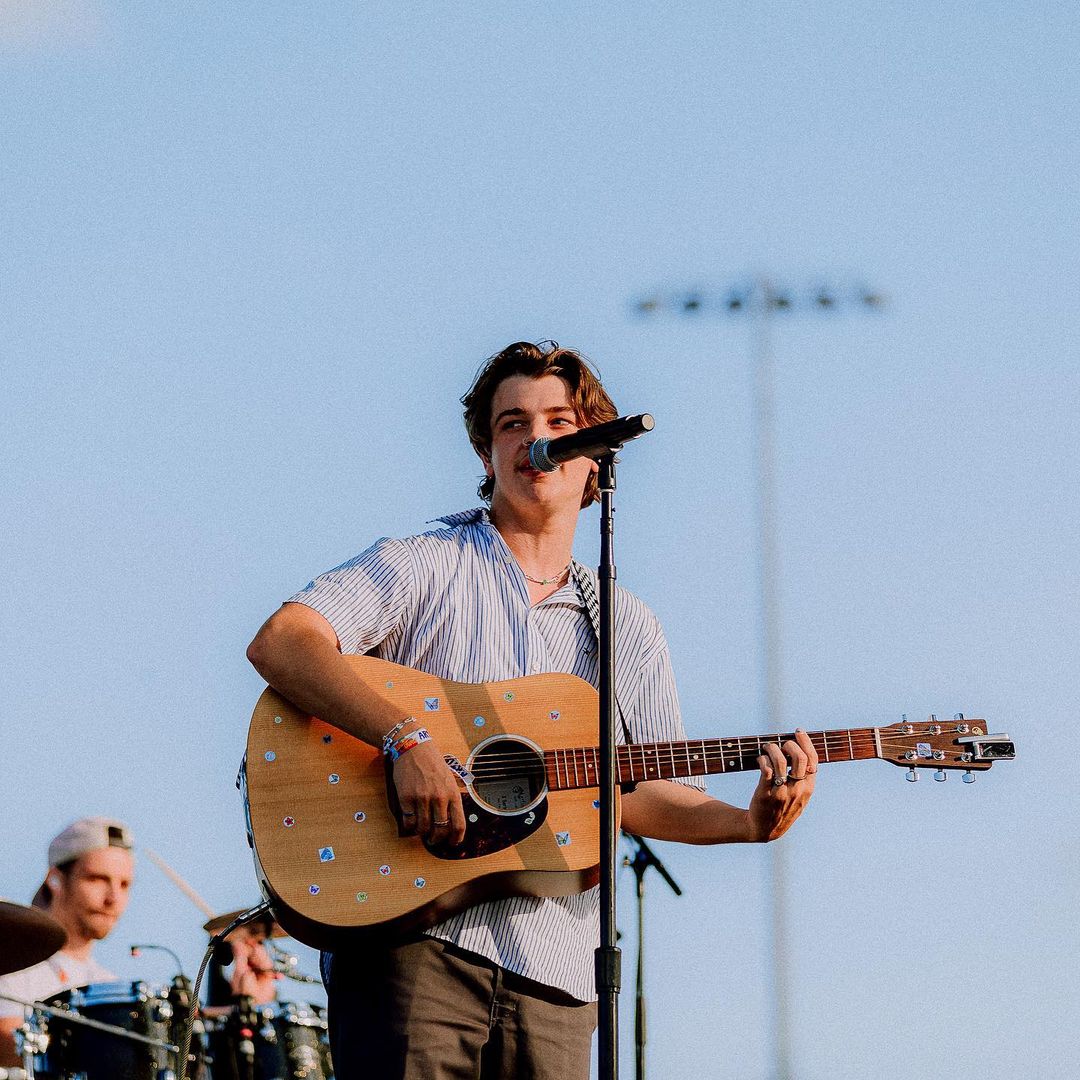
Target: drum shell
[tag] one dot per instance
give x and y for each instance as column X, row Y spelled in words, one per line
column 288, row 1041
column 136, row 1007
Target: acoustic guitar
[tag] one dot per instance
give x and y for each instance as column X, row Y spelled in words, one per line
column 325, row 830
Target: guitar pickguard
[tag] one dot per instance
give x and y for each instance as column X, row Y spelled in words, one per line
column 486, row 833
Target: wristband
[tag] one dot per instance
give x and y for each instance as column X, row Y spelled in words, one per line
column 395, row 731
column 408, row 742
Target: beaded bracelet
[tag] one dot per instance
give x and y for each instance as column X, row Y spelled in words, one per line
column 408, row 742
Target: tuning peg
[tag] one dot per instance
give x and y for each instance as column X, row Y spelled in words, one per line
column 969, row 777
column 940, row 775
column 912, row 775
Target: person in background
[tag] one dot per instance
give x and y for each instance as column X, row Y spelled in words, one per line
column 86, row 890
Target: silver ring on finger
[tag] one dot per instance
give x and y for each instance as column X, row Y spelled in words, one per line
column 794, row 779
column 439, row 824
column 779, row 781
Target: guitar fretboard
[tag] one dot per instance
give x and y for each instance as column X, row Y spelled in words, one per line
column 578, row 767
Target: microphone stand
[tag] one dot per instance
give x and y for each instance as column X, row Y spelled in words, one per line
column 642, row 858
column 608, row 956
column 601, row 443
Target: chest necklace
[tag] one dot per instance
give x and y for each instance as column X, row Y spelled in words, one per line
column 549, row 580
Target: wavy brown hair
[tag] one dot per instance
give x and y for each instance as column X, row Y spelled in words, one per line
column 589, row 398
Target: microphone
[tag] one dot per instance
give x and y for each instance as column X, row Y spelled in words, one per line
column 546, row 455
column 136, row 950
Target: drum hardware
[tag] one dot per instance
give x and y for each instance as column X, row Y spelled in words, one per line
column 28, row 936
column 70, row 1017
column 33, row 1039
column 287, row 964
column 268, row 1042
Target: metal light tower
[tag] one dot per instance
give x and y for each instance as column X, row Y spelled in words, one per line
column 764, row 302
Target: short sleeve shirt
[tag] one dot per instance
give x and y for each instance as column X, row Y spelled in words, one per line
column 59, row 972
column 455, row 604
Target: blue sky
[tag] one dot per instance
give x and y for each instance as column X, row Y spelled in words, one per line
column 252, row 257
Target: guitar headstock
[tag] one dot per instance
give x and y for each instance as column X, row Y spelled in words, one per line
column 958, row 743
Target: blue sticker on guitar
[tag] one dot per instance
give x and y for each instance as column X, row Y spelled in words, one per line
column 562, row 839
column 326, row 854
column 313, row 889
column 431, row 704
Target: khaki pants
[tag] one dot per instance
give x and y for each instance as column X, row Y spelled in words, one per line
column 428, row 1011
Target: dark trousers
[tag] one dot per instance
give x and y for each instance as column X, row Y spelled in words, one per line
column 428, row 1011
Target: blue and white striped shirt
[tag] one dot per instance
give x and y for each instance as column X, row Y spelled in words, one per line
column 455, row 603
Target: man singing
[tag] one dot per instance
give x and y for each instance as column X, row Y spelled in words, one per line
column 505, row 988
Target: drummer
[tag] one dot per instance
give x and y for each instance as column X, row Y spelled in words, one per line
column 85, row 890
column 242, row 969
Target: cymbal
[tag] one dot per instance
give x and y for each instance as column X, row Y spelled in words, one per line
column 27, row 935
column 219, row 922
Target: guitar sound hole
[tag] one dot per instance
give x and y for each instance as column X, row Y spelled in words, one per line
column 509, row 776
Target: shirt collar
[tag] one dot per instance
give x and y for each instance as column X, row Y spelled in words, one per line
column 478, row 514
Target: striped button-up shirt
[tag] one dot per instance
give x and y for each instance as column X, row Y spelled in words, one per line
column 455, row 603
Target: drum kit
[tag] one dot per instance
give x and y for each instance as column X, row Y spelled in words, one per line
column 134, row 1030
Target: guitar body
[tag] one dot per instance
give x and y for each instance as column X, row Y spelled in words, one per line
column 322, row 819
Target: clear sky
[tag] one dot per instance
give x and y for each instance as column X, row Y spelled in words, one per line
column 252, row 254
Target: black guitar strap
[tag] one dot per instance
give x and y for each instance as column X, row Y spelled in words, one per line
column 592, row 605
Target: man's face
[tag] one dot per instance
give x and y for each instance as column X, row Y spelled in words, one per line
column 94, row 893
column 523, row 410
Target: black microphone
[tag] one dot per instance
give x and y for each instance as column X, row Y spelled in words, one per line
column 547, row 455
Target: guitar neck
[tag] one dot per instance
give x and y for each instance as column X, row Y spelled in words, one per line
column 580, row 766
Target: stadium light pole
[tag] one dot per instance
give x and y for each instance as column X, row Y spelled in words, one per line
column 763, row 301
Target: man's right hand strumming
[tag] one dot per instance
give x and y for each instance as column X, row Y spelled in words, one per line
column 428, row 795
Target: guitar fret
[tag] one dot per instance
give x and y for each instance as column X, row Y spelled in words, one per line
column 638, row 762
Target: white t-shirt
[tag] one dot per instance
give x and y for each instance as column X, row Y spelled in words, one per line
column 59, row 972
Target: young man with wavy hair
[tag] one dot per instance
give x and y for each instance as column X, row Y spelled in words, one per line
column 505, row 988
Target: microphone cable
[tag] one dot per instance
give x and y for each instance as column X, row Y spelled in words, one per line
column 244, row 917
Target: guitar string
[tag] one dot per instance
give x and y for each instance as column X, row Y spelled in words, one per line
column 586, row 759
column 710, row 748
column 679, row 751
